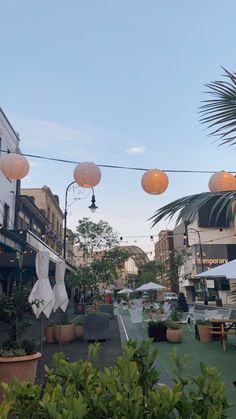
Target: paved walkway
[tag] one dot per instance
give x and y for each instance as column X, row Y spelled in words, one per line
column 137, row 331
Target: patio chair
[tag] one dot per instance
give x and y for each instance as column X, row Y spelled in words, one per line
column 185, row 316
column 226, row 312
column 136, row 314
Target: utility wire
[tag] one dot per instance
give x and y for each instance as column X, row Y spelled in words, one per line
column 109, row 166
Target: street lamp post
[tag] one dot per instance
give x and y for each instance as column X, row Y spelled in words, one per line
column 201, row 257
column 92, row 207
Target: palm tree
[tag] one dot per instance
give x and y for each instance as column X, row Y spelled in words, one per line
column 219, row 113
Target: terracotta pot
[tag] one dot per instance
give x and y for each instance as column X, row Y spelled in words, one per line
column 79, row 331
column 67, row 332
column 21, row 367
column 49, row 334
column 204, row 333
column 174, row 335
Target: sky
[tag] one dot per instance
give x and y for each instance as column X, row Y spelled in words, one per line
column 116, row 82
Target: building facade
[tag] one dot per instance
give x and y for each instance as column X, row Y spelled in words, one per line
column 48, row 203
column 165, row 257
column 207, row 247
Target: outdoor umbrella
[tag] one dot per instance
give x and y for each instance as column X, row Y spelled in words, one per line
column 42, row 291
column 125, row 291
column 42, row 294
column 150, row 286
column 227, row 269
column 59, row 290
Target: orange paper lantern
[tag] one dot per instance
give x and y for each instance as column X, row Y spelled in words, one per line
column 14, row 166
column 87, row 175
column 154, row 181
column 221, row 182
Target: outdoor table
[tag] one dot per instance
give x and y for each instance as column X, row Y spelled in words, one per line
column 222, row 328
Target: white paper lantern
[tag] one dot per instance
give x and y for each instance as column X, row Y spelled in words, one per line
column 154, row 181
column 221, row 182
column 87, row 174
column 14, row 166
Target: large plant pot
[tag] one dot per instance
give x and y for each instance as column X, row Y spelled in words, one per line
column 204, row 333
column 157, row 332
column 21, row 367
column 49, row 334
column 64, row 331
column 79, row 331
column 174, row 335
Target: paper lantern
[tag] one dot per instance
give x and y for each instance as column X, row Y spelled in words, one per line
column 14, row 166
column 222, row 181
column 87, row 175
column 154, row 181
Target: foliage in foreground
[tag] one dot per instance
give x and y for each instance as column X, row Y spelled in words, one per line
column 128, row 390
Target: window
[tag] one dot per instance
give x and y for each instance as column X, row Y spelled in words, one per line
column 49, row 214
column 206, row 219
column 53, row 221
column 6, row 216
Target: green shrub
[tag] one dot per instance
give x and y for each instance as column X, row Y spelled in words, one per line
column 79, row 321
column 127, row 390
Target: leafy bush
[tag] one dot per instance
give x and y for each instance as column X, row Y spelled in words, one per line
column 128, row 390
column 79, row 321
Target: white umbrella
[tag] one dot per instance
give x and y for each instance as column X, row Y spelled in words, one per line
column 150, row 286
column 125, row 291
column 59, row 290
column 42, row 291
column 227, row 269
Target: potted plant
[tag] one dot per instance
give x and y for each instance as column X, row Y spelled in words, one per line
column 174, row 332
column 49, row 332
column 204, row 330
column 64, row 329
column 18, row 353
column 157, row 330
column 79, row 327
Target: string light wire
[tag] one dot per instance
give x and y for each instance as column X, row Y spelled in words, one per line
column 109, row 166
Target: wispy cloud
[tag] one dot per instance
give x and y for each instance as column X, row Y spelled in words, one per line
column 36, row 132
column 135, row 150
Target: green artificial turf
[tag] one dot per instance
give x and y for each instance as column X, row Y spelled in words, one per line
column 209, row 353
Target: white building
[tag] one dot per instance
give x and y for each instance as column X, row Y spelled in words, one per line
column 9, row 141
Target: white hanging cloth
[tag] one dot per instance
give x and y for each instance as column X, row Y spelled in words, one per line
column 59, row 290
column 42, row 291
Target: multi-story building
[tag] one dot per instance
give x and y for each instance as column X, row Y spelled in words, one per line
column 165, row 256
column 210, row 242
column 48, row 203
column 24, row 226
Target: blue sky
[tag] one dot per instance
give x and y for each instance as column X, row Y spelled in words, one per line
column 116, row 82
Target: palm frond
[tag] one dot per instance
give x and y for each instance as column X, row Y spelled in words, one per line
column 186, row 208
column 219, row 113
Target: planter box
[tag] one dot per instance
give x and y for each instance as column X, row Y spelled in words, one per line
column 204, row 333
column 157, row 332
column 107, row 308
column 49, row 334
column 64, row 331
